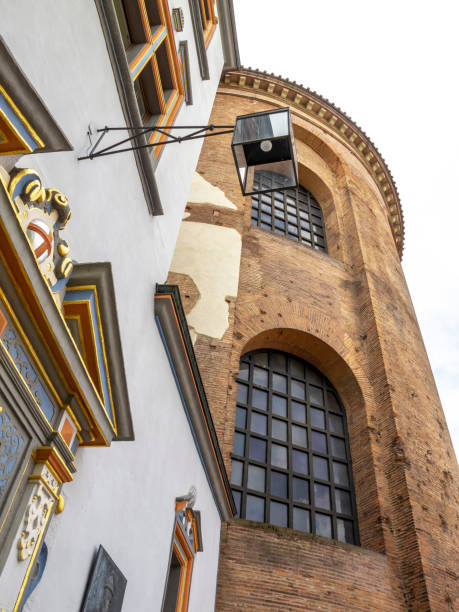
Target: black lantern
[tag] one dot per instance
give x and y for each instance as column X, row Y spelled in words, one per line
column 264, row 151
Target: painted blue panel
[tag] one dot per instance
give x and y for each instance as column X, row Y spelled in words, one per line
column 88, row 295
column 61, row 283
column 39, row 568
column 19, row 355
column 12, row 446
column 21, row 184
column 74, row 446
column 16, row 121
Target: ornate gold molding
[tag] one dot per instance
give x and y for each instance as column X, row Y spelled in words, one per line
column 42, row 499
column 331, row 118
column 43, row 213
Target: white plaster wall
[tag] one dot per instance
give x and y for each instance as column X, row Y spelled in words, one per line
column 122, row 497
column 64, row 56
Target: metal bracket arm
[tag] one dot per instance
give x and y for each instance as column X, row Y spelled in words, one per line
column 198, row 131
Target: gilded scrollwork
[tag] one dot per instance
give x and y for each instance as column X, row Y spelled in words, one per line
column 59, row 202
column 189, row 519
column 49, row 480
column 34, row 520
column 43, row 213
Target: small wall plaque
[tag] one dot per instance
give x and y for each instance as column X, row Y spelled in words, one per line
column 106, row 585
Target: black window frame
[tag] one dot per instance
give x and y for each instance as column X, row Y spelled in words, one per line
column 318, row 381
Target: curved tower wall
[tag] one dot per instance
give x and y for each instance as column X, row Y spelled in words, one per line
column 348, row 313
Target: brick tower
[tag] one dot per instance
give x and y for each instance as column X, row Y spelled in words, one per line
column 316, row 374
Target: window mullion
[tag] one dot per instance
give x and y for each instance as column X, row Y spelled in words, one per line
column 159, row 85
column 203, row 15
column 145, row 20
column 141, row 60
column 266, row 374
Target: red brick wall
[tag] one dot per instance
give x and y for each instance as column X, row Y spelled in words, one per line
column 349, row 313
column 270, row 568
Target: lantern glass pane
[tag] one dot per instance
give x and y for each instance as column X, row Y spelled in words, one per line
column 281, row 173
column 261, row 126
column 263, row 145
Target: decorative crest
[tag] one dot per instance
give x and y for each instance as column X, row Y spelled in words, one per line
column 43, row 213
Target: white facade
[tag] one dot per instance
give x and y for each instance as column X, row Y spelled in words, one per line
column 122, row 497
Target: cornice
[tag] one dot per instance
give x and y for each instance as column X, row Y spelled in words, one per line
column 173, row 328
column 334, row 120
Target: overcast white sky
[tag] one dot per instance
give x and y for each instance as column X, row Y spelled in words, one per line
column 392, row 66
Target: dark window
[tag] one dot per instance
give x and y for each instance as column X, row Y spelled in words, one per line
column 173, row 582
column 148, row 39
column 208, row 19
column 293, row 213
column 291, row 463
column 123, row 23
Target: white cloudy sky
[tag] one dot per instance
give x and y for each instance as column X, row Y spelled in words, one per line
column 392, row 66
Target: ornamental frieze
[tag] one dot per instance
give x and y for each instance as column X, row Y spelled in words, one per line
column 12, row 444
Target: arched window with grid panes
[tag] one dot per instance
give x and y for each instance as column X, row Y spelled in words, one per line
column 291, row 463
column 293, row 213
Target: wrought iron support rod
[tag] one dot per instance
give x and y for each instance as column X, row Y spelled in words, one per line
column 105, row 152
column 117, row 144
column 210, row 126
column 97, row 142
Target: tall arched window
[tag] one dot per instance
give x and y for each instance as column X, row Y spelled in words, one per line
column 291, row 462
column 293, row 213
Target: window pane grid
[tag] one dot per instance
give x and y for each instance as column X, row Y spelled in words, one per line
column 290, row 475
column 293, row 213
column 149, row 43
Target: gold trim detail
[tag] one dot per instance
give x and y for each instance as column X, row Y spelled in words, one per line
column 104, row 352
column 26, row 291
column 50, row 456
column 34, row 190
column 60, row 505
column 37, row 516
column 29, row 128
column 40, row 478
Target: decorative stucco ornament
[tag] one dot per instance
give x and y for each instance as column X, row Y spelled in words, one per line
column 189, row 519
column 43, row 213
column 189, row 498
column 34, row 520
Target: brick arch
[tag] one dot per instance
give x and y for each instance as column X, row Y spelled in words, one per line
column 312, row 349
column 321, row 342
column 324, row 194
column 310, row 334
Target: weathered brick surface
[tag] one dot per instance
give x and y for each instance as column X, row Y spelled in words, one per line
column 188, row 290
column 269, row 568
column 349, row 313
